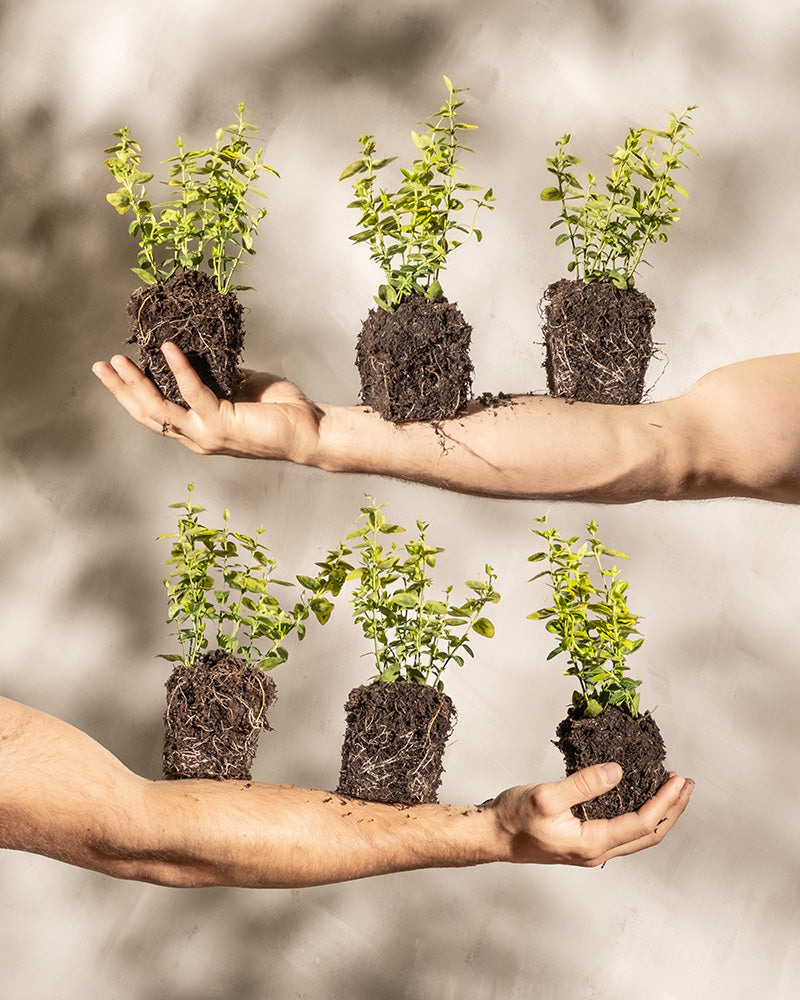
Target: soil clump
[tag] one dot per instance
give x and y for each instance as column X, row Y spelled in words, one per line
column 207, row 326
column 613, row 735
column 414, row 362
column 215, row 712
column 598, row 341
column 394, row 742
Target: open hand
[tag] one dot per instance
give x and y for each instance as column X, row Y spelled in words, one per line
column 538, row 819
column 268, row 417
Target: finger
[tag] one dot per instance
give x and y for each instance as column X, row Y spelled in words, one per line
column 130, row 385
column 139, row 396
column 196, row 393
column 662, row 827
column 583, row 785
column 644, row 828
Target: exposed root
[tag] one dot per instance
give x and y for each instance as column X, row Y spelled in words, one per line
column 394, row 742
column 189, row 311
column 215, row 712
column 598, row 341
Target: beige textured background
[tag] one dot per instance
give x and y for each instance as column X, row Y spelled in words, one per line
column 711, row 913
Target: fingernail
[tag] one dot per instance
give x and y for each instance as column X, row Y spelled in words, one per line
column 611, row 773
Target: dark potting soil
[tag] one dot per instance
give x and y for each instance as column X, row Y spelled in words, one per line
column 394, row 742
column 635, row 744
column 598, row 341
column 207, row 326
column 414, row 363
column 495, row 400
column 215, row 712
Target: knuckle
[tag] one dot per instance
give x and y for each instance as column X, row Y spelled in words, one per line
column 542, row 798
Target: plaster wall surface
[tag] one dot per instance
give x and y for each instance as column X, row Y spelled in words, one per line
column 713, row 912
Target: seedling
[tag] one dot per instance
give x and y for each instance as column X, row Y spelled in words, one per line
column 414, row 637
column 398, row 725
column 609, row 231
column 590, row 618
column 210, row 218
column 220, row 582
column 411, row 231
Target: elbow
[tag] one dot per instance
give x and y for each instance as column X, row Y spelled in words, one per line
column 668, row 463
column 138, row 843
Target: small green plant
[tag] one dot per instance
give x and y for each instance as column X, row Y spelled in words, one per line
column 590, row 618
column 414, row 637
column 609, row 232
column 210, row 217
column 412, row 230
column 222, row 578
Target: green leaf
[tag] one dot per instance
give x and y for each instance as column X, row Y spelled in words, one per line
column 322, row 609
column 356, row 167
column 614, row 553
column 145, row 276
column 405, row 600
column 550, row 194
column 483, row 627
column 434, row 292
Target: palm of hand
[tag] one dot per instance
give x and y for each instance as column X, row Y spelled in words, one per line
column 269, row 417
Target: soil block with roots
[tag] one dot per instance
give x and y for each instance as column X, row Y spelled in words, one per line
column 394, row 742
column 414, row 362
column 215, row 712
column 207, row 326
column 613, row 735
column 598, row 341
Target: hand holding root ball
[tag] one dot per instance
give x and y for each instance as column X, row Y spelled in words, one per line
column 268, row 417
column 542, row 827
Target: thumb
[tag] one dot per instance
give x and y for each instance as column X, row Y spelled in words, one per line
column 590, row 782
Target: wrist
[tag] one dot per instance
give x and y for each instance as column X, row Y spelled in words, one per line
column 487, row 841
column 346, row 436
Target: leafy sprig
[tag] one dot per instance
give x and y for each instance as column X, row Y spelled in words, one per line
column 220, row 581
column 590, row 618
column 210, row 217
column 414, row 637
column 609, row 231
column 412, row 230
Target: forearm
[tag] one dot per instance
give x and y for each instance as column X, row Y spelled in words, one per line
column 535, row 448
column 735, row 433
column 64, row 796
column 280, row 836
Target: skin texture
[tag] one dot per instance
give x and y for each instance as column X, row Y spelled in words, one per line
column 736, row 433
column 64, row 796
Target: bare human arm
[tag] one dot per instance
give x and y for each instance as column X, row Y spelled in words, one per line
column 735, row 433
column 64, row 796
